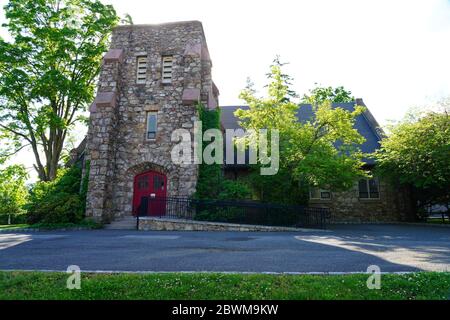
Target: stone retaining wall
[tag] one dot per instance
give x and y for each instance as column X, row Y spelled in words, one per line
column 157, row 224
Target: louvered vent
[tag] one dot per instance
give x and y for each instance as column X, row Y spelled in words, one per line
column 167, row 64
column 142, row 69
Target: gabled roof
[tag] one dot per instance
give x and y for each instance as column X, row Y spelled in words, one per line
column 365, row 123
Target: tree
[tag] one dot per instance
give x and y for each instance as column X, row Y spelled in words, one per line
column 319, row 95
column 417, row 154
column 320, row 152
column 48, row 73
column 13, row 193
column 127, row 19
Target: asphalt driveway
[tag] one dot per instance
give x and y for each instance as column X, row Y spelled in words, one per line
column 343, row 249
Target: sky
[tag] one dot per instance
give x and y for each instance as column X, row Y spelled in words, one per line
column 393, row 54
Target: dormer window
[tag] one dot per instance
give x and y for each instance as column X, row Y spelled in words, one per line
column 141, row 70
column 152, row 123
column 167, row 63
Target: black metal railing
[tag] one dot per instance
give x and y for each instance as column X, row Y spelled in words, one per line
column 241, row 212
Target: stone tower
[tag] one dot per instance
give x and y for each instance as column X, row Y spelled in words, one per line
column 150, row 82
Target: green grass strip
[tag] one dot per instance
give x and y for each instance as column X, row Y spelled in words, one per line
column 168, row 286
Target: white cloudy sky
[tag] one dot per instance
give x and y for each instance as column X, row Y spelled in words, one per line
column 393, row 54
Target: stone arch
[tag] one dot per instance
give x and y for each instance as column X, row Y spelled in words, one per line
column 124, row 186
column 135, row 170
column 145, row 166
column 142, row 167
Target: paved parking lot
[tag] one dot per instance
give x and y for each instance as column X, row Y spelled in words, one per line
column 343, row 249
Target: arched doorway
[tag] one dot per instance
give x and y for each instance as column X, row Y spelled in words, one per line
column 147, row 186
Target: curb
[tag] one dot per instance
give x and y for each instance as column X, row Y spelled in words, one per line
column 274, row 273
column 426, row 224
column 36, row 230
column 412, row 224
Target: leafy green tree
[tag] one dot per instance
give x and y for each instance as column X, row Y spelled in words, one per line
column 48, row 73
column 13, row 192
column 319, row 95
column 323, row 151
column 417, row 154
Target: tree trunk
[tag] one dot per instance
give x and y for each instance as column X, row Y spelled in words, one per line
column 413, row 214
column 53, row 146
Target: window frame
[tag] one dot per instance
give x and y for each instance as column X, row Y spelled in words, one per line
column 141, row 69
column 321, row 191
column 147, row 127
column 143, row 182
column 369, row 192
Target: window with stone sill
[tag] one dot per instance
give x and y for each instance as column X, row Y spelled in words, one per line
column 369, row 189
column 167, row 68
column 152, row 125
column 319, row 194
column 141, row 70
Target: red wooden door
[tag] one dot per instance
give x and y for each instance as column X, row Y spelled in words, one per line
column 150, row 189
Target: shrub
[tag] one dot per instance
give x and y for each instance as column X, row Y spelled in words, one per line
column 86, row 223
column 231, row 215
column 58, row 201
column 234, row 190
column 20, row 218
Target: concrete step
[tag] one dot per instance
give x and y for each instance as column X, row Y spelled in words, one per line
column 125, row 223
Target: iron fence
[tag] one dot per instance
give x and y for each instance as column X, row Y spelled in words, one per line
column 241, row 212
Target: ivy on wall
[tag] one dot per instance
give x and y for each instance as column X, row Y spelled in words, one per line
column 211, row 183
column 208, row 183
column 84, row 184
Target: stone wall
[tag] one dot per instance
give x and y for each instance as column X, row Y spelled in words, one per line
column 348, row 207
column 393, row 204
column 157, row 224
column 117, row 146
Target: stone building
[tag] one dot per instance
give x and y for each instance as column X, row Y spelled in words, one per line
column 370, row 200
column 150, row 82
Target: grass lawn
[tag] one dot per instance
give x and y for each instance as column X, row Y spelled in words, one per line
column 438, row 221
column 36, row 285
column 53, row 226
column 13, row 226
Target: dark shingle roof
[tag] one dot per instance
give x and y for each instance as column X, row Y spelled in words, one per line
column 365, row 123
